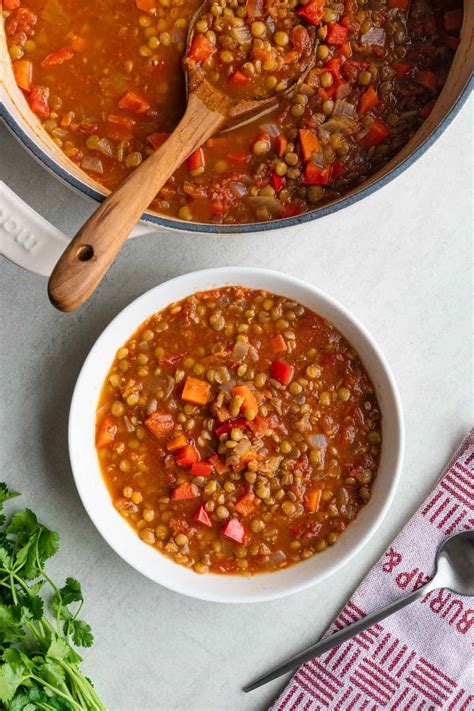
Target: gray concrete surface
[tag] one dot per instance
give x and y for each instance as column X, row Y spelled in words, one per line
column 400, row 261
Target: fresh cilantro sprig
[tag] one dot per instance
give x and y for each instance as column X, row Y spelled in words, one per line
column 39, row 667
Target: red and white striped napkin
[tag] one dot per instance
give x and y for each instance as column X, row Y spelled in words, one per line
column 421, row 658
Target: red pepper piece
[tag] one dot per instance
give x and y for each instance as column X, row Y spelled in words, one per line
column 38, row 100
column 426, row 110
column 234, row 530
column 196, row 160
column 377, row 133
column 187, row 456
column 278, row 181
column 337, row 34
column 157, row 139
column 62, row 55
column 338, row 169
column 202, row 516
column 200, row 49
column 314, row 175
column 219, row 466
column 290, row 209
column 106, row 432
column 184, row 492
column 135, row 102
column 201, row 469
column 247, row 503
column 227, row 426
column 281, row 371
column 312, row 12
column 11, row 4
column 238, row 78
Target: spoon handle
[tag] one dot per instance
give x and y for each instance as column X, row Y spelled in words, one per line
column 91, row 252
column 337, row 638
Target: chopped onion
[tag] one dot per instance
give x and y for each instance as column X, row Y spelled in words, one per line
column 128, row 424
column 343, row 90
column 227, row 386
column 242, row 448
column 254, row 8
column 271, row 24
column 105, row 147
column 253, row 353
column 242, row 34
column 168, row 387
column 239, row 189
column 318, row 441
column 272, row 129
column 338, row 7
column 376, row 35
column 152, row 406
column 339, row 123
column 343, row 108
column 240, row 350
column 273, row 205
column 93, row 164
column 277, row 558
column 177, row 36
column 102, row 410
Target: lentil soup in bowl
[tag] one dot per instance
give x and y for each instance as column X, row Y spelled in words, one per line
column 236, row 435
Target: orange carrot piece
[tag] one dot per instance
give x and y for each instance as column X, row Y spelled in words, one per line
column 249, row 402
column 278, row 344
column 246, row 504
column 309, row 143
column 134, row 101
column 402, row 68
column 106, row 432
column 312, row 499
column 281, row 144
column 176, row 443
column 160, row 424
column 145, row 5
column 23, row 71
column 196, row 391
column 184, row 492
column 427, row 79
column 368, row 100
column 78, row 44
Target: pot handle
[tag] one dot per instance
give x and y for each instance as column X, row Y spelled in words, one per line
column 30, row 241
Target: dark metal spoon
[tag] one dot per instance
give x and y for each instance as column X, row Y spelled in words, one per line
column 454, row 570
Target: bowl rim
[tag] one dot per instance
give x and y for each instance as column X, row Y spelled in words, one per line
column 174, row 224
column 225, row 276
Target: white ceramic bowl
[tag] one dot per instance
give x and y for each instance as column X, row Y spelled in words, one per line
column 123, row 539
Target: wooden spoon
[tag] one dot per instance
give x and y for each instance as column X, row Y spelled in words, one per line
column 91, row 252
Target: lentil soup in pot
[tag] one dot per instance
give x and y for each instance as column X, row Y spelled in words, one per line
column 105, row 78
column 238, row 432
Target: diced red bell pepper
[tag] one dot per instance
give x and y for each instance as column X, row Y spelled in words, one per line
column 196, row 160
column 23, row 71
column 453, row 20
column 427, row 79
column 247, row 503
column 161, row 424
column 11, row 4
column 368, row 100
column 187, row 456
column 201, row 469
column 338, row 169
column 337, row 34
column 200, row 48
column 452, row 42
column 426, row 110
column 290, row 209
column 185, row 492
column 157, row 139
column 334, row 66
column 402, row 68
column 312, row 12
column 234, row 530
column 227, row 426
column 38, row 100
column 106, row 432
column 238, row 157
column 278, row 181
column 219, row 466
column 135, row 102
column 314, row 175
column 122, row 121
column 282, row 372
column 376, row 133
column 239, row 78
column 62, row 55
column 202, row 516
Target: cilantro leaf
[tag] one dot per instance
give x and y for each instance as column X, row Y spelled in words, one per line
column 48, row 544
column 71, row 591
column 6, row 494
column 10, row 680
column 58, row 649
column 81, row 633
column 23, row 521
column 52, row 672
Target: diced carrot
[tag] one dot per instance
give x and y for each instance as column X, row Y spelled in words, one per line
column 201, row 469
column 38, row 100
column 453, row 20
column 219, row 466
column 106, row 432
column 157, row 139
column 202, row 516
column 160, row 424
column 402, row 68
column 145, row 5
column 78, row 44
column 427, row 79
column 246, row 504
column 196, row 391
column 200, row 49
column 185, row 492
column 279, row 344
column 122, row 121
column 399, row 4
column 309, row 143
column 281, row 144
column 337, row 34
column 135, row 102
column 11, row 4
column 187, row 456
column 249, row 401
column 176, row 443
column 234, row 530
column 377, row 132
column 62, row 55
column 23, row 71
column 345, row 50
column 314, row 175
column 196, row 160
column 368, row 100
column 239, row 78
column 312, row 499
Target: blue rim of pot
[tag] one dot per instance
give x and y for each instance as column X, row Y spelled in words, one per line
column 247, row 228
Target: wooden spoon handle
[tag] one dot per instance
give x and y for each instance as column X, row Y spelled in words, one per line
column 91, row 252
